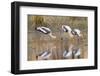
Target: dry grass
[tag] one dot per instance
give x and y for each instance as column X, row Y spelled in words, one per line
column 38, row 42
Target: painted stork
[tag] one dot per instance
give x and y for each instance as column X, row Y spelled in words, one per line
column 73, row 33
column 68, row 30
column 45, row 30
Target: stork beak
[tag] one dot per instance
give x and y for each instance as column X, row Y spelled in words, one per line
column 81, row 37
column 52, row 35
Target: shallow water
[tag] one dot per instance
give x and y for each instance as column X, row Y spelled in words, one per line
column 59, row 48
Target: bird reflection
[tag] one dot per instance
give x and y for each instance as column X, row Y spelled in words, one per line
column 74, row 52
column 45, row 55
column 77, row 53
column 67, row 54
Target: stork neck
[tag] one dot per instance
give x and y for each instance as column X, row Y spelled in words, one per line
column 71, row 35
column 50, row 34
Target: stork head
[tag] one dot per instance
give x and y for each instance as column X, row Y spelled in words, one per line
column 66, row 28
